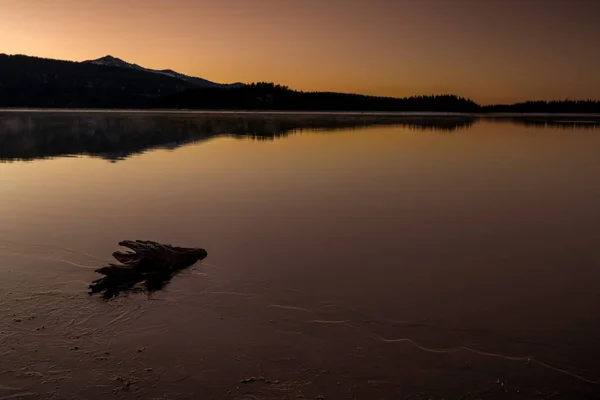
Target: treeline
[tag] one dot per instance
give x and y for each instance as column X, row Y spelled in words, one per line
column 44, row 83
column 270, row 96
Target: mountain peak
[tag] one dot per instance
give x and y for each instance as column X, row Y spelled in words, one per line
column 109, row 58
column 110, row 61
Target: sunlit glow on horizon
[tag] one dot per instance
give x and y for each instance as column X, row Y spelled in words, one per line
column 489, row 51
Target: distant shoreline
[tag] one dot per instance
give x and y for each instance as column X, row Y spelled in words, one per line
column 432, row 114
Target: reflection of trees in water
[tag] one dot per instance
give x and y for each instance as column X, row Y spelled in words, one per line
column 564, row 122
column 116, row 136
column 28, row 136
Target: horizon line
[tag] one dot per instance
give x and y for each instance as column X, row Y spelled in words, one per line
column 566, row 99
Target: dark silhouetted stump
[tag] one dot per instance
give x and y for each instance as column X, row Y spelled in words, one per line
column 148, row 266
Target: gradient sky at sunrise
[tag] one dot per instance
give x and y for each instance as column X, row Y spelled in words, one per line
column 489, row 50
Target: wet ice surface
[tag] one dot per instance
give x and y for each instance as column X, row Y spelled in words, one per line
column 208, row 332
column 379, row 263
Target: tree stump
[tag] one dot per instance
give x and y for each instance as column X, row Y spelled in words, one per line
column 148, row 266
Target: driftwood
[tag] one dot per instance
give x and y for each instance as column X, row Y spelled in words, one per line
column 148, row 266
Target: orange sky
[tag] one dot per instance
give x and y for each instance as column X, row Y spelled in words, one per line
column 489, row 50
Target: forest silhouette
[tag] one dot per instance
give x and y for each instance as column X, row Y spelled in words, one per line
column 45, row 83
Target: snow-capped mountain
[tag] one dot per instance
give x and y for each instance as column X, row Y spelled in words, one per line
column 110, row 61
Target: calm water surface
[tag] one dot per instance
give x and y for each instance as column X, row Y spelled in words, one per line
column 381, row 261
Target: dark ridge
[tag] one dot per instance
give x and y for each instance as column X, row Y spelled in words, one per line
column 37, row 82
column 110, row 82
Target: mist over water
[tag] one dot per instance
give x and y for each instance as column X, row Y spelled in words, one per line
column 400, row 255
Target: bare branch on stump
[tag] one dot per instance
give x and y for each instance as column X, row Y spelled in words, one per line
column 149, row 265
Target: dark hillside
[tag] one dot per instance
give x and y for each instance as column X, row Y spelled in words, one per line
column 37, row 82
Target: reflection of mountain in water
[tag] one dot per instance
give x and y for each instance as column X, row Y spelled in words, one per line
column 115, row 136
column 118, row 135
